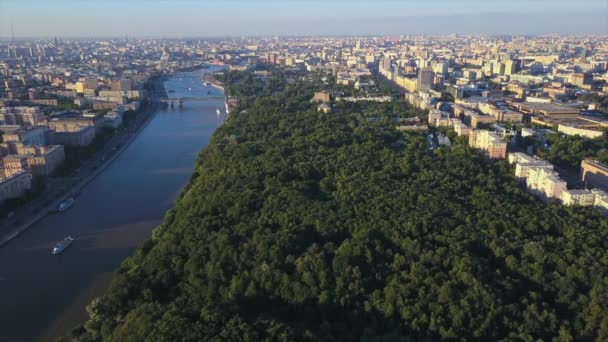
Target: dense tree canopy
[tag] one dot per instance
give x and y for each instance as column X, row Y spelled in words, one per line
column 568, row 151
column 304, row 226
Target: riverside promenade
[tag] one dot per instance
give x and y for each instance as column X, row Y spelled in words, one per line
column 48, row 202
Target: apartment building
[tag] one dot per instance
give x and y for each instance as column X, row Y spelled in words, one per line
column 460, row 128
column 438, row 118
column 28, row 135
column 594, row 174
column 474, row 119
column 23, row 116
column 581, row 197
column 545, row 183
column 492, row 145
column 524, row 163
column 38, row 160
column 14, row 185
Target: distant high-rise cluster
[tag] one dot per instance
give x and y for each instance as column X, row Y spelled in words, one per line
column 488, row 90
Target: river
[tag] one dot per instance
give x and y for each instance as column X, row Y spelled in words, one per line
column 43, row 296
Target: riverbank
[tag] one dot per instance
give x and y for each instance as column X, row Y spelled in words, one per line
column 115, row 213
column 95, row 165
column 230, row 102
column 210, row 78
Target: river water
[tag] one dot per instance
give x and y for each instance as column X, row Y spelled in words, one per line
column 43, row 296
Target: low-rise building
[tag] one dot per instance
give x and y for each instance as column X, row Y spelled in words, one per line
column 324, row 108
column 527, row 132
column 546, row 109
column 322, row 96
column 587, row 132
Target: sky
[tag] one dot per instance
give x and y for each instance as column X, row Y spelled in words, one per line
column 220, row 18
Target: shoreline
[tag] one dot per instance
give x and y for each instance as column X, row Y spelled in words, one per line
column 144, row 118
column 209, row 78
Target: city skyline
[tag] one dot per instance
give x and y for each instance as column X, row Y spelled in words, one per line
column 72, row 18
column 319, row 170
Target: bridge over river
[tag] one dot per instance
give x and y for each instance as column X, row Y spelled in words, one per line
column 181, row 100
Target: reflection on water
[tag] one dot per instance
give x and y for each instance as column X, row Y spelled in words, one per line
column 43, row 296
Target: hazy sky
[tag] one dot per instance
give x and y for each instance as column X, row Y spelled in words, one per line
column 47, row 18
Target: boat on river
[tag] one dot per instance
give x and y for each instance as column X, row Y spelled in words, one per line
column 62, row 245
column 65, row 205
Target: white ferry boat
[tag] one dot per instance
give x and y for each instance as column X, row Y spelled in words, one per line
column 61, row 245
column 218, row 112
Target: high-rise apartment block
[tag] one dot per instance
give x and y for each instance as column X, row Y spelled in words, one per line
column 512, row 66
column 425, row 79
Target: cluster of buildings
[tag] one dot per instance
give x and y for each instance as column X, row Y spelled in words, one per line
column 55, row 94
column 479, row 91
column 491, row 143
column 544, row 182
column 33, row 142
column 511, row 80
column 25, row 154
column 477, row 85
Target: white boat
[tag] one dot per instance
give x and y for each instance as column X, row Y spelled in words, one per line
column 217, row 111
column 61, row 245
column 65, row 205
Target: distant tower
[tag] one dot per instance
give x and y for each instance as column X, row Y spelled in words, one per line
column 425, row 79
column 12, row 31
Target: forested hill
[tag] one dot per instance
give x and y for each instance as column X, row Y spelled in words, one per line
column 334, row 227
